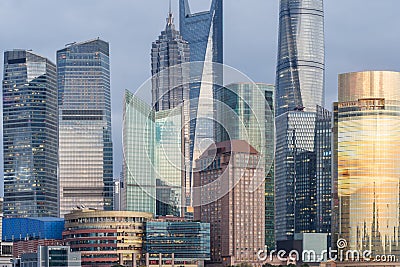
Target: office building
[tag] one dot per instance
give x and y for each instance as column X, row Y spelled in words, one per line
column 246, row 112
column 366, row 163
column 17, row 229
column 6, row 255
column 170, row 75
column 184, row 242
column 153, row 162
column 170, row 98
column 169, row 163
column 302, row 162
column 138, row 151
column 323, row 170
column 204, row 33
column 294, row 164
column 229, row 191
column 51, row 256
column 85, row 151
column 30, row 135
column 301, row 56
column 105, row 238
column 32, row 245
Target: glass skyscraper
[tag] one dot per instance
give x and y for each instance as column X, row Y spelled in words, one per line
column 85, row 151
column 301, row 57
column 366, row 162
column 30, row 135
column 203, row 31
column 153, row 162
column 302, row 162
column 169, row 163
column 246, row 112
column 323, row 170
column 295, row 132
column 170, row 100
column 139, row 149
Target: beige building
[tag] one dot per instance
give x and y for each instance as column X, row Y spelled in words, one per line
column 105, row 238
column 229, row 194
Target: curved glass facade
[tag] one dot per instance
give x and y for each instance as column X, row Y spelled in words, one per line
column 366, row 161
column 138, row 150
column 301, row 58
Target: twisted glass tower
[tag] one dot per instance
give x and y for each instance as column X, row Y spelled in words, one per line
column 85, row 152
column 30, row 135
column 301, row 123
column 301, row 57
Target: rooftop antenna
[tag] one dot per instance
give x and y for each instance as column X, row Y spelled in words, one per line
column 170, row 19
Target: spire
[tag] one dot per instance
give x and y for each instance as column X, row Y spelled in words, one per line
column 170, row 19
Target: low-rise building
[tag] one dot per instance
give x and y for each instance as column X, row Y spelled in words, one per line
column 6, row 254
column 16, row 229
column 31, row 246
column 51, row 256
column 105, row 238
column 180, row 241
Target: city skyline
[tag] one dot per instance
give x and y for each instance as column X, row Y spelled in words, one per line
column 237, row 124
column 342, row 56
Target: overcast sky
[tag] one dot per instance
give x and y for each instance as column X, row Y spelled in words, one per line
column 360, row 35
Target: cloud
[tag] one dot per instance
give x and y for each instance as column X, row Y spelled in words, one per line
column 360, row 34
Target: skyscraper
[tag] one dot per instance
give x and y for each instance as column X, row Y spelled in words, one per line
column 246, row 112
column 301, row 57
column 30, row 135
column 85, row 152
column 170, row 79
column 139, row 152
column 323, row 171
column 366, row 163
column 203, row 31
column 153, row 163
column 170, row 98
column 301, row 122
column 229, row 194
column 169, row 162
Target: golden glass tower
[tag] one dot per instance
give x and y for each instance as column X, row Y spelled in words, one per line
column 367, row 163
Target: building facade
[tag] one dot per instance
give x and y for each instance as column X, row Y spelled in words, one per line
column 301, row 56
column 229, row 194
column 183, row 241
column 138, row 148
column 323, row 170
column 170, row 98
column 246, row 112
column 51, row 256
column 85, row 152
column 30, row 135
column 105, row 238
column 169, row 162
column 366, row 162
column 17, row 229
column 204, row 33
column 302, row 162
